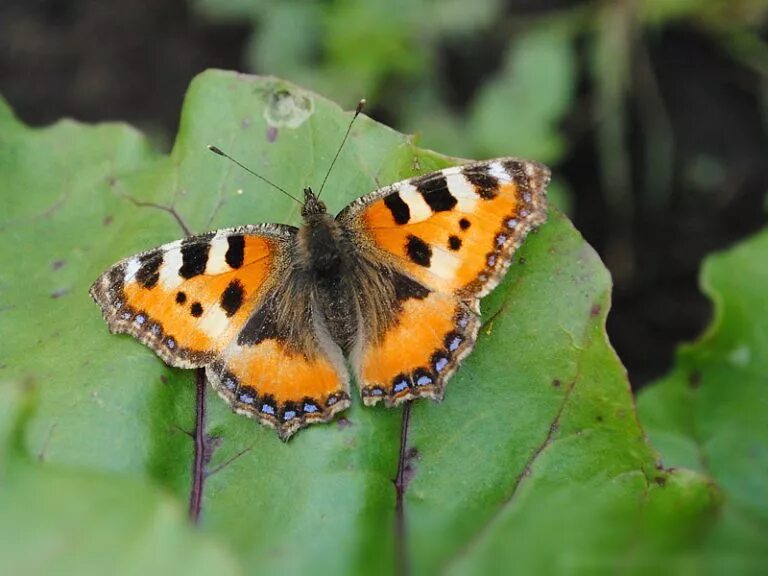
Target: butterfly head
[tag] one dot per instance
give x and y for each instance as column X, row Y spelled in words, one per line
column 312, row 205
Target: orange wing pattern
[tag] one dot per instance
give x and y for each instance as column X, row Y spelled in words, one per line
column 238, row 301
column 211, row 300
column 188, row 299
column 454, row 232
column 419, row 353
column 280, row 387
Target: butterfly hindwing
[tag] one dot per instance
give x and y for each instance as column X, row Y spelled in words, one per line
column 453, row 233
column 416, row 356
column 282, row 384
column 187, row 299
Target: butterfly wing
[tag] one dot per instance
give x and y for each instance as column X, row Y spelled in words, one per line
column 226, row 300
column 285, row 377
column 452, row 233
column 188, row 299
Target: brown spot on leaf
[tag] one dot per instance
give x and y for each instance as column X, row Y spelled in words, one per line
column 212, row 442
column 107, row 220
column 58, row 264
column 694, row 379
column 343, row 422
column 271, row 133
column 595, row 310
column 409, row 469
column 556, row 382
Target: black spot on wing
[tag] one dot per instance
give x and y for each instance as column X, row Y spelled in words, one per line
column 262, row 325
column 516, row 169
column 464, row 224
column 181, row 297
column 434, row 189
column 194, row 255
column 406, row 288
column 397, row 206
column 196, row 309
column 236, row 251
column 149, row 272
column 418, row 251
column 486, row 186
column 232, row 298
column 454, row 242
column 116, row 276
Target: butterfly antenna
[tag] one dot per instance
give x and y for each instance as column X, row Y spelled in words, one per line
column 346, row 135
column 220, row 152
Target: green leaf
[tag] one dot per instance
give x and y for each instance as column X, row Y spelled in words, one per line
column 59, row 520
column 534, row 460
column 709, row 414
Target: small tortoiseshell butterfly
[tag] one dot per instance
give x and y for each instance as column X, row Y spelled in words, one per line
column 392, row 284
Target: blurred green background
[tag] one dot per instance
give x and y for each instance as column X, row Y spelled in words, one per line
column 654, row 117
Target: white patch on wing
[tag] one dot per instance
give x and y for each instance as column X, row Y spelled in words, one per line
column 214, row 322
column 131, row 267
column 172, row 261
column 464, row 192
column 217, row 263
column 497, row 170
column 418, row 207
column 443, row 263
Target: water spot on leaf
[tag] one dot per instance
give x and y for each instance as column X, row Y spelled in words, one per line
column 740, row 356
column 288, row 108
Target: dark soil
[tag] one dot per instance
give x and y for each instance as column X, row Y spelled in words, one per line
column 84, row 59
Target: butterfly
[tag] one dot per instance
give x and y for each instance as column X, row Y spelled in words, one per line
column 389, row 287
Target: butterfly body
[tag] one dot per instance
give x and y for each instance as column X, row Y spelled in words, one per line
column 389, row 288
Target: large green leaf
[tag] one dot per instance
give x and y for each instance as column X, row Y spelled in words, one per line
column 535, row 460
column 709, row 414
column 60, row 520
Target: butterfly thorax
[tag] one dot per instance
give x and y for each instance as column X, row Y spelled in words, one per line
column 325, row 259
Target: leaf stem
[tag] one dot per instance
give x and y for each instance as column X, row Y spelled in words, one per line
column 200, row 449
column 401, row 548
